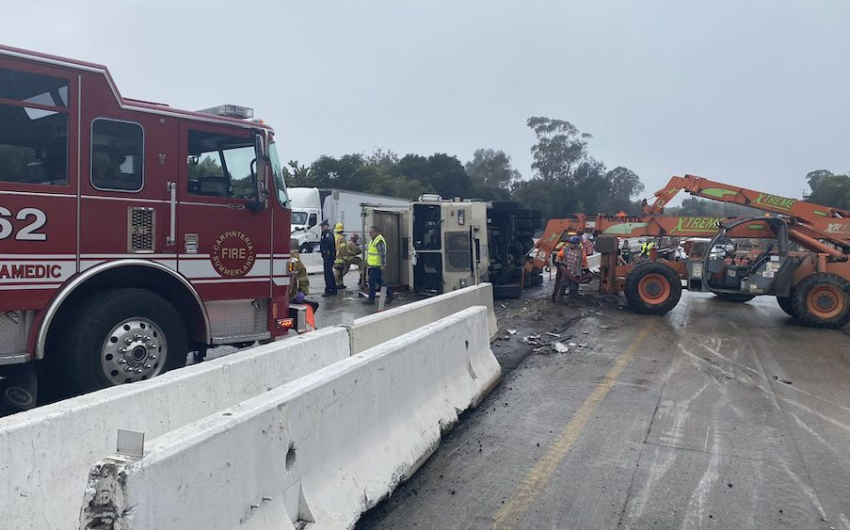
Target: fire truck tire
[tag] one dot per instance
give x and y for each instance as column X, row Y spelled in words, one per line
column 120, row 336
column 653, row 289
column 822, row 300
column 787, row 305
column 734, row 298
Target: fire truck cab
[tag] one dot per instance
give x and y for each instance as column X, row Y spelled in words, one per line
column 131, row 233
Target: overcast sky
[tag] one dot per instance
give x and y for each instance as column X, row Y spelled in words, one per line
column 752, row 92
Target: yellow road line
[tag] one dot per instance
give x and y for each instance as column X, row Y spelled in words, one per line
column 513, row 512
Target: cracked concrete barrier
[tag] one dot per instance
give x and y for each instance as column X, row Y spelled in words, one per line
column 322, row 449
column 46, row 453
column 372, row 330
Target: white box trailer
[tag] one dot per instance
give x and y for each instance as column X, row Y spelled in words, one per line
column 310, row 206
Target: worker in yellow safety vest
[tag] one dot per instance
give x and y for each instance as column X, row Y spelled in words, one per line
column 376, row 261
column 341, row 255
column 646, row 248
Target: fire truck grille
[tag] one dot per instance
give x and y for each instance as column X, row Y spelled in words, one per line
column 140, row 229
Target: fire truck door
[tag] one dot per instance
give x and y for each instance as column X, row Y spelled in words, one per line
column 223, row 241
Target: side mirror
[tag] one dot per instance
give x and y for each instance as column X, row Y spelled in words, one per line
column 260, row 144
column 259, row 171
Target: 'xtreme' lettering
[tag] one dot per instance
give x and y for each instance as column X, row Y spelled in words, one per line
column 781, row 203
column 697, row 224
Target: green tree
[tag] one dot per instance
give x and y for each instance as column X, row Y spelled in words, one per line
column 491, row 170
column 568, row 180
column 829, row 189
column 297, row 175
column 816, row 177
column 560, row 147
column 331, row 172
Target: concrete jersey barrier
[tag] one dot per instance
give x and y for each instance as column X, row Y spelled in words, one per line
column 321, row 449
column 46, row 453
column 372, row 330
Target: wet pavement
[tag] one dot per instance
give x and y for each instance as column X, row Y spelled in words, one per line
column 717, row 415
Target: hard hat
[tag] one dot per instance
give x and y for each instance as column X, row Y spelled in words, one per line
column 339, row 227
column 575, row 239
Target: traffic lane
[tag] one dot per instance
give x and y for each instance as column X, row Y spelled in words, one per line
column 668, row 459
column 807, row 372
column 719, row 451
column 486, row 459
column 810, row 381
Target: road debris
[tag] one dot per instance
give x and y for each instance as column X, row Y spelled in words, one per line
column 560, row 348
column 511, row 332
column 531, row 339
column 556, row 335
column 787, row 382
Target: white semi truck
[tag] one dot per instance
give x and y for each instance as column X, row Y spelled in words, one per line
column 310, row 206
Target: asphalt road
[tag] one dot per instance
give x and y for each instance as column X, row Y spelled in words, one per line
column 717, row 415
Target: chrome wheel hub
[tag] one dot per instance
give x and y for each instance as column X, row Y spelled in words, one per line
column 134, row 350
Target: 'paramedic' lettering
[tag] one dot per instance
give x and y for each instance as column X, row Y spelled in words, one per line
column 30, row 272
column 233, row 254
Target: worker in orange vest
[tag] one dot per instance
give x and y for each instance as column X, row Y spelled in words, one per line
column 569, row 271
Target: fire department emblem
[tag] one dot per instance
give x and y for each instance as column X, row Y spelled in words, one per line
column 233, row 254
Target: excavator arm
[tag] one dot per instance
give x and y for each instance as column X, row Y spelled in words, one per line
column 822, row 222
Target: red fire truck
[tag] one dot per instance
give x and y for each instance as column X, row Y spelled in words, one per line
column 131, row 233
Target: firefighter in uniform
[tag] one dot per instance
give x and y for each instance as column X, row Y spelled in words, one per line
column 353, row 255
column 341, row 246
column 301, row 288
column 328, row 250
column 376, row 261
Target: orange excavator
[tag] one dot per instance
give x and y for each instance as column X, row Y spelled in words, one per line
column 798, row 252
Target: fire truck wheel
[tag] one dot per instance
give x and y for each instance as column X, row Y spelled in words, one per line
column 121, row 336
column 822, row 300
column 734, row 298
column 786, row 304
column 653, row 288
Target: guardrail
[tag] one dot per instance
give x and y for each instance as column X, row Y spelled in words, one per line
column 46, row 453
column 372, row 330
column 321, row 449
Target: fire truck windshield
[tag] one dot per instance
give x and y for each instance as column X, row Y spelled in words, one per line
column 277, row 170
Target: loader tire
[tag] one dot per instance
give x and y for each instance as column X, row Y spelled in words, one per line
column 822, row 301
column 787, row 305
column 734, row 298
column 653, row 289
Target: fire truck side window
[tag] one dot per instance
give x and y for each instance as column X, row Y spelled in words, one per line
column 33, row 128
column 221, row 165
column 116, row 155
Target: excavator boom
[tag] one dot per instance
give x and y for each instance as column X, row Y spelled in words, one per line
column 823, row 222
